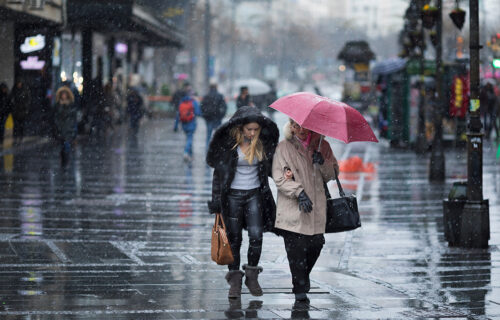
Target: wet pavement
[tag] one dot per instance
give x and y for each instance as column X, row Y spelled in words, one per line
column 123, row 233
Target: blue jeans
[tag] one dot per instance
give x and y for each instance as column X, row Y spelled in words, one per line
column 211, row 125
column 188, row 149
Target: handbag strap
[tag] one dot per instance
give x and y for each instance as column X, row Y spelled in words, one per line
column 341, row 191
column 219, row 220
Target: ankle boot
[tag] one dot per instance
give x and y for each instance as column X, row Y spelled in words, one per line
column 251, row 275
column 234, row 278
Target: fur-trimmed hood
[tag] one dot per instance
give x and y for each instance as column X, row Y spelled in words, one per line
column 222, row 141
column 68, row 91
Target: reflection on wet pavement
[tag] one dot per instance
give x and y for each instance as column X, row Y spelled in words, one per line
column 123, row 233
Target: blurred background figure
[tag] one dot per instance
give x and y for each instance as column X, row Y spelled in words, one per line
column 271, row 96
column 187, row 112
column 183, row 88
column 488, row 102
column 5, row 108
column 65, row 121
column 20, row 100
column 244, row 98
column 135, row 108
column 213, row 110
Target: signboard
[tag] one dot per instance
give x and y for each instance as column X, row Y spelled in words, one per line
column 459, row 97
column 32, row 63
column 56, row 52
column 32, row 44
column 121, row 47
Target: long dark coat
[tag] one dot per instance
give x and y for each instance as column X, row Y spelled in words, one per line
column 224, row 159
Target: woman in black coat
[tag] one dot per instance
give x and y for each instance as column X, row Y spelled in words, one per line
column 241, row 152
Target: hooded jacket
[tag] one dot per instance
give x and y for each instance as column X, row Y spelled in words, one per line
column 223, row 158
column 65, row 115
column 290, row 153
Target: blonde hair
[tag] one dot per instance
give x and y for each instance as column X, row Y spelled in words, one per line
column 256, row 148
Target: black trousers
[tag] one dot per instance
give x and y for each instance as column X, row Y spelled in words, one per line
column 302, row 251
column 245, row 207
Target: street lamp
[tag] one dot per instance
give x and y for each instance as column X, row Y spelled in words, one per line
column 467, row 222
column 437, row 161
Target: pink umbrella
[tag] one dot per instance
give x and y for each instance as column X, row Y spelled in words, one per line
column 325, row 116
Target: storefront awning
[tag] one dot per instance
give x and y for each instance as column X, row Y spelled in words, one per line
column 48, row 13
column 123, row 17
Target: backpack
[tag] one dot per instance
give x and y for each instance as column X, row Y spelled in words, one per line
column 186, row 111
column 213, row 107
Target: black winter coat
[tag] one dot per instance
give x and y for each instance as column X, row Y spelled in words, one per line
column 224, row 159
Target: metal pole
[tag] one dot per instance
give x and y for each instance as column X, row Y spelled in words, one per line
column 421, row 142
column 207, row 43
column 474, row 222
column 474, row 134
column 233, row 47
column 437, row 165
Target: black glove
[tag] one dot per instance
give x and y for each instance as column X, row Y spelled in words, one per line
column 318, row 158
column 305, row 204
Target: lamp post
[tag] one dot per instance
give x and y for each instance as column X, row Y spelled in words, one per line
column 208, row 24
column 475, row 218
column 437, row 163
column 421, row 141
column 467, row 221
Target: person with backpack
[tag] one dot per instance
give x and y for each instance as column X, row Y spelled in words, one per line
column 188, row 110
column 213, row 110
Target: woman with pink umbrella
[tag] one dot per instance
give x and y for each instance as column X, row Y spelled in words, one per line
column 302, row 165
column 301, row 203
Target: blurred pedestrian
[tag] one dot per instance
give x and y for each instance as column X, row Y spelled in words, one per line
column 300, row 173
column 187, row 112
column 244, row 99
column 213, row 110
column 20, row 100
column 241, row 153
column 65, row 120
column 94, row 116
column 5, row 108
column 271, row 96
column 110, row 112
column 182, row 90
column 488, row 108
column 135, row 108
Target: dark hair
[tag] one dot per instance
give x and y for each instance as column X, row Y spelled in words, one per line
column 243, row 88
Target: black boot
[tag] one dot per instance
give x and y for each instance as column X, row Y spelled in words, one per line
column 234, row 278
column 251, row 275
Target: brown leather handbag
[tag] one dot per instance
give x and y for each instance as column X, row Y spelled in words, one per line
column 221, row 249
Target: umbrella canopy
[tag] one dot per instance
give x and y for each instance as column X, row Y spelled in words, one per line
column 325, row 116
column 389, row 66
column 356, row 52
column 255, row 86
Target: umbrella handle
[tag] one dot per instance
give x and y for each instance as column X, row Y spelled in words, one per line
column 320, row 140
column 319, row 148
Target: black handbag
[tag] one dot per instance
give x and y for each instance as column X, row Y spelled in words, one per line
column 341, row 213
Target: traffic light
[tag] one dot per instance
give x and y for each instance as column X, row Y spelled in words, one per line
column 496, row 63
